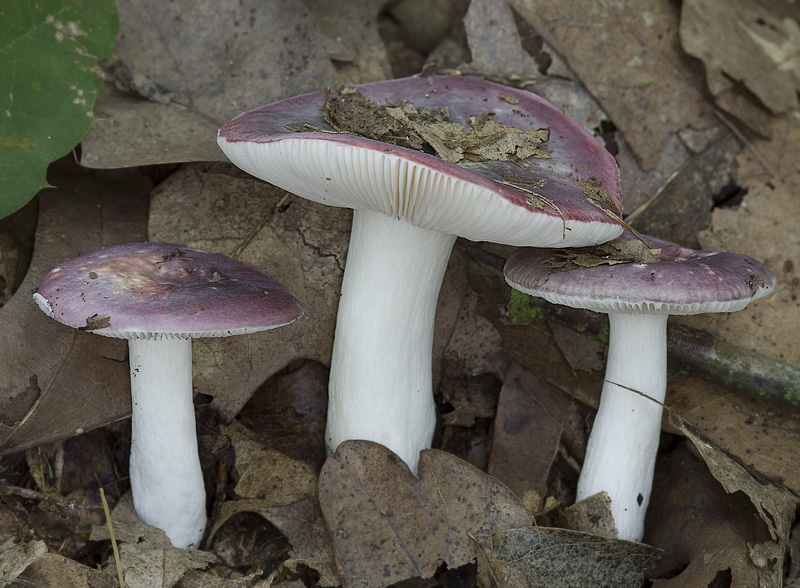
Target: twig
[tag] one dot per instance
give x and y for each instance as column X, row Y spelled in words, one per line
column 113, row 539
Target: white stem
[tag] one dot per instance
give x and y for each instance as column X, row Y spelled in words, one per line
column 166, row 480
column 380, row 383
column 621, row 453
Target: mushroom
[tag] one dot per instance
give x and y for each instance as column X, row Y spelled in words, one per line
column 160, row 296
column 409, row 206
column 638, row 292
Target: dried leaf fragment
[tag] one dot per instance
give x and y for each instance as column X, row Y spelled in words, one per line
column 403, row 124
column 612, row 253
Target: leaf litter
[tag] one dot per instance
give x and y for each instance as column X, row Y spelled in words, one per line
column 403, row 124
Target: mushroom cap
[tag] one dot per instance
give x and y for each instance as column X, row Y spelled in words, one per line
column 157, row 290
column 549, row 205
column 685, row 281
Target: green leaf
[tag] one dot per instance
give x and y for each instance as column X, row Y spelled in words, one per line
column 49, row 80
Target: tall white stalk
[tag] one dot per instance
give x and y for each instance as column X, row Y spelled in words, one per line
column 621, row 454
column 165, row 474
column 380, row 383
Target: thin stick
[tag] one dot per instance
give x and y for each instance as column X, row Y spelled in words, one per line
column 113, row 539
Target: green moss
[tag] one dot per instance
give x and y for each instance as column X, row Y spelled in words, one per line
column 522, row 308
column 604, row 334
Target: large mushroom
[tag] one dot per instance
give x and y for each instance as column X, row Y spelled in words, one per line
column 421, row 161
column 638, row 291
column 160, row 296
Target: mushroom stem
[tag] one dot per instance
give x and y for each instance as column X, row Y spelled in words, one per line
column 622, row 448
column 165, row 474
column 380, row 383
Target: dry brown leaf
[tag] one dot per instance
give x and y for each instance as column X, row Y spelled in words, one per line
column 289, row 412
column 628, row 57
column 765, row 227
column 217, row 59
column 57, row 381
column 558, row 558
column 705, row 531
column 301, row 244
column 494, row 42
column 148, row 558
column 283, row 491
column 56, row 571
column 373, row 505
column 530, row 414
column 682, row 205
column 741, row 41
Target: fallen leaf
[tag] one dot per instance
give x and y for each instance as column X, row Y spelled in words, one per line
column 628, row 57
column 764, row 227
column 530, row 413
column 558, row 558
column 373, row 505
column 148, row 558
column 283, row 491
column 46, row 366
column 289, row 413
column 704, row 530
column 212, row 57
column 494, row 42
column 741, row 41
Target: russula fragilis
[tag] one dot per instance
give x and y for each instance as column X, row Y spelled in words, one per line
column 159, row 297
column 638, row 296
column 409, row 207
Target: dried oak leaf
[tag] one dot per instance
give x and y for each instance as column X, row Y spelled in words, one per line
column 373, row 504
column 558, row 558
column 283, row 491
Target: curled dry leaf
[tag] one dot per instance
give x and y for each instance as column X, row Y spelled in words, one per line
column 558, row 558
column 373, row 504
column 705, row 531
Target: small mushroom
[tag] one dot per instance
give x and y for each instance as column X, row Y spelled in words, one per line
column 638, row 296
column 160, row 296
column 409, row 207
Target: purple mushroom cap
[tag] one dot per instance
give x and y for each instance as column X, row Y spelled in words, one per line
column 475, row 201
column 150, row 290
column 685, row 281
